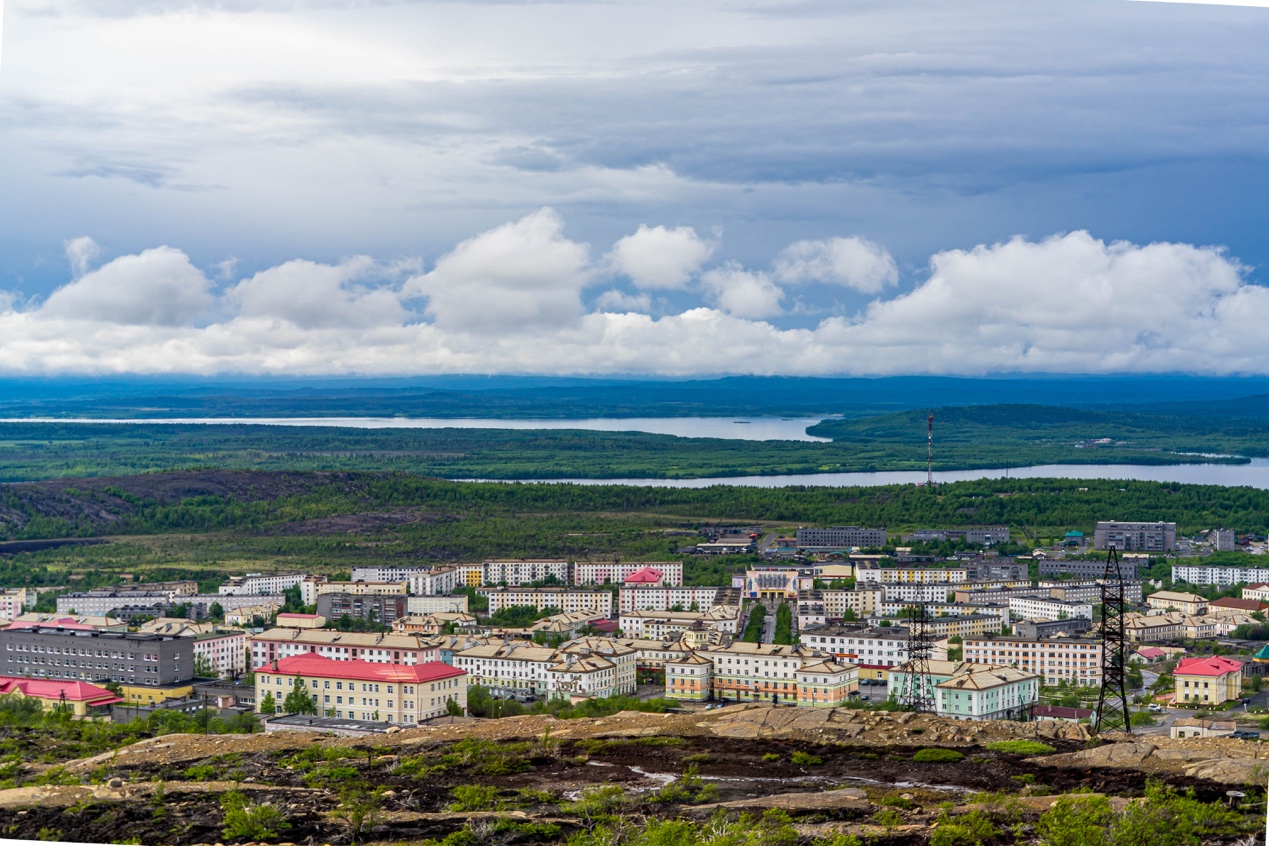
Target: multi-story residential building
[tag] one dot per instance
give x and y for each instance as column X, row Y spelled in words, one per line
column 565, row 599
column 863, row 601
column 84, row 621
column 962, row 625
column 90, row 655
column 666, row 598
column 920, row 592
column 983, row 535
column 1135, row 537
column 456, row 604
column 1170, row 600
column 995, row 570
column 689, row 678
column 363, row 588
column 309, row 586
column 724, row 619
column 381, row 608
column 13, row 603
column 224, row 648
column 1173, row 625
column 1224, row 540
column 911, row 575
column 392, row 648
column 874, row 649
column 432, row 624
column 1258, row 591
column 1203, row 574
column 363, row 690
column 106, row 604
column 384, row 574
column 1043, row 608
column 649, row 654
column 1129, row 568
column 1228, row 606
column 1208, row 681
column 994, row 595
column 759, row 672
column 965, row 690
column 256, row 584
column 251, row 615
column 83, row 699
column 810, row 609
column 944, row 610
column 440, row 581
column 1077, row 660
column 519, row 571
column 1089, row 591
column 617, row 572
column 516, row 668
column 1035, row 629
column 826, row 684
column 840, row 537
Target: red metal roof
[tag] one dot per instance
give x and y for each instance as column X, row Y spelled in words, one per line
column 297, row 614
column 1151, row 652
column 1248, row 605
column 63, row 623
column 1213, row 665
column 323, row 667
column 1061, row 712
column 76, row 691
column 647, row 575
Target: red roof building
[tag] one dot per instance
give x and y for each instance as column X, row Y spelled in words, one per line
column 645, row 576
column 1151, row 653
column 1250, row 606
column 1060, row 712
column 84, row 699
column 1208, row 681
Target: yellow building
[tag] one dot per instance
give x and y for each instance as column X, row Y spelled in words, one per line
column 152, row 694
column 690, row 678
column 826, row 684
column 1170, row 600
column 1208, row 681
column 83, row 699
column 362, row 690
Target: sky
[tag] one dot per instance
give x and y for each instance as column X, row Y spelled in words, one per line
column 802, row 187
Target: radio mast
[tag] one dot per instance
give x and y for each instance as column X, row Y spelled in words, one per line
column 929, row 453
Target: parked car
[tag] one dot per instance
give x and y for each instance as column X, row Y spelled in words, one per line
column 1154, row 707
column 1246, row 735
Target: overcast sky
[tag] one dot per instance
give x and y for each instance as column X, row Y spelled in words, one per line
column 716, row 186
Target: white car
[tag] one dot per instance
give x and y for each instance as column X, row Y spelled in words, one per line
column 1154, row 707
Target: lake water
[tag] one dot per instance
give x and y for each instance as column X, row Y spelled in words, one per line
column 1254, row 475
column 731, row 428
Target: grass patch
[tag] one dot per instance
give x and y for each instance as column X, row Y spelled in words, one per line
column 1021, row 747
column 937, row 756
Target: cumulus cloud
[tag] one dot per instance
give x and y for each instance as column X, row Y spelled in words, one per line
column 742, row 293
column 520, row 274
column 159, row 287
column 312, row 295
column 509, row 300
column 659, row 257
column 853, row 262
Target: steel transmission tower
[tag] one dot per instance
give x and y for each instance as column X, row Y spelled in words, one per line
column 917, row 691
column 1112, row 702
column 929, row 453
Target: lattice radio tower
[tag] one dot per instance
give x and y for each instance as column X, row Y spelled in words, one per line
column 929, row 453
column 1112, row 701
column 917, row 693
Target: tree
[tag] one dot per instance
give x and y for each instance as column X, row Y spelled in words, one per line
column 204, row 668
column 299, row 701
column 267, row 704
column 216, row 612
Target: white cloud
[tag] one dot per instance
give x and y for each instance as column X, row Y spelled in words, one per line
column 81, row 252
column 853, row 262
column 742, row 293
column 509, row 301
column 517, row 275
column 159, row 287
column 658, row 257
column 313, row 295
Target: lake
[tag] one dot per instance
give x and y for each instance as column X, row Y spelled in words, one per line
column 1254, row 475
column 730, row 428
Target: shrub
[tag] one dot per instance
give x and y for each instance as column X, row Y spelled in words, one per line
column 771, row 757
column 698, row 758
column 805, row 759
column 1021, row 747
column 897, row 801
column 245, row 820
column 888, row 818
column 200, row 772
column 688, row 790
column 972, row 829
column 937, row 756
column 474, row 797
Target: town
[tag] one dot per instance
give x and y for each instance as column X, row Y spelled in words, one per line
column 819, row 618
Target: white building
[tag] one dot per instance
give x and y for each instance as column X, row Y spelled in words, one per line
column 516, row 668
column 911, row 575
column 1200, row 574
column 1053, row 659
column 384, row 574
column 441, row 581
column 224, row 648
column 665, row 598
column 392, row 648
column 515, row 572
column 456, row 604
column 1042, row 608
column 565, row 599
column 759, row 672
column 873, row 650
column 908, row 592
column 724, row 619
column 616, row 572
column 258, row 584
column 840, row 537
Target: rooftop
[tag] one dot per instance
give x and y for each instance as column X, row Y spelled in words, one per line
column 322, row 667
column 76, row 691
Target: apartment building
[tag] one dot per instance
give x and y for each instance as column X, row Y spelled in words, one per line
column 456, row 604
column 256, row 584
column 382, row 608
column 440, row 581
column 840, row 537
column 390, row 648
column 1173, row 625
column 251, row 615
column 384, row 574
column 966, row 690
column 995, row 570
column 911, row 575
column 955, row 625
column 994, row 595
column 874, row 649
column 1258, row 591
column 364, row 588
column 431, row 625
column 1089, row 591
column 920, row 592
column 724, row 619
column 1043, row 608
column 1077, row 660
column 982, row 535
column 1224, row 540
column 999, row 612
column 92, row 655
column 106, row 604
column 13, row 602
column 565, row 599
column 649, row 654
column 1202, row 574
column 1129, row 567
column 617, row 572
column 1036, row 629
column 1170, row 600
column 363, row 690
column 1135, row 537
column 759, row 672
column 1208, row 681
column 665, row 598
column 224, row 648
column 863, row 601
column 516, row 668
column 516, row 572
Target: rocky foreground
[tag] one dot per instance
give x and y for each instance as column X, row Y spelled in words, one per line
column 540, row 780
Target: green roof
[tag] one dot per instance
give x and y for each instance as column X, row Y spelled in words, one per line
column 1074, row 534
column 1262, row 655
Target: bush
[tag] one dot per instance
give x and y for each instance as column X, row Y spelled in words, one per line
column 474, row 797
column 1165, row 818
column 245, row 820
column 1021, row 747
column 937, row 756
column 771, row 757
column 805, row 759
column 972, row 829
column 200, row 772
